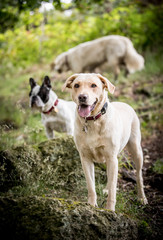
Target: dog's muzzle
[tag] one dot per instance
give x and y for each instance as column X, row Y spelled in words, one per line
column 85, row 110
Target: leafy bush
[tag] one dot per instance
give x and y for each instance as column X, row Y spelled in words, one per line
column 33, row 42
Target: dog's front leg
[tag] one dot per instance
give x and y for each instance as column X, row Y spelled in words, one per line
column 70, row 129
column 88, row 168
column 112, row 175
column 49, row 132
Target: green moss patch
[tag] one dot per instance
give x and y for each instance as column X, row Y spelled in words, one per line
column 52, row 218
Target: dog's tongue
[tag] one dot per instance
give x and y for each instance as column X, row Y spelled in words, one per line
column 84, row 110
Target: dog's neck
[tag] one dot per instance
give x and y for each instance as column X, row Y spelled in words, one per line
column 52, row 98
column 100, row 104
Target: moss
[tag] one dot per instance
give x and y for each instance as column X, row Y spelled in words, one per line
column 53, row 169
column 52, row 218
column 144, row 230
column 60, row 147
column 42, row 169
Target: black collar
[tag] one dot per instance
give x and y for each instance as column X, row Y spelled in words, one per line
column 102, row 112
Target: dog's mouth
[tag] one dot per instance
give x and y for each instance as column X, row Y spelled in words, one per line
column 85, row 110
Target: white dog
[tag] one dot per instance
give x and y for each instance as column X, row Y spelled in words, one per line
column 115, row 50
column 57, row 114
column 102, row 130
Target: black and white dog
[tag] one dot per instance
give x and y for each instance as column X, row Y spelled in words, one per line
column 57, row 114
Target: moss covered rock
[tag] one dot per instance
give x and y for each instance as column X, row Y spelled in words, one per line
column 18, row 166
column 52, row 218
column 51, row 168
column 33, row 178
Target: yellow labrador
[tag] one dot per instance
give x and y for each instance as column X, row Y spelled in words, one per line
column 102, row 130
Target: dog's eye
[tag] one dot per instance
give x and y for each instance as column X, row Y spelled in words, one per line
column 93, row 85
column 76, row 85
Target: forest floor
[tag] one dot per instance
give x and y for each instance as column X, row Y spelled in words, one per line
column 153, row 182
column 152, row 144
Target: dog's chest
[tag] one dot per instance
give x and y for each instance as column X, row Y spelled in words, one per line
column 56, row 121
column 96, row 143
column 98, row 154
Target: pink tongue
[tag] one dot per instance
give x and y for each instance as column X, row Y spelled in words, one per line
column 84, row 111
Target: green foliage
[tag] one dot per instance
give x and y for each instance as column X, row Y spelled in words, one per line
column 33, row 42
column 10, row 11
column 158, row 166
column 127, row 203
column 8, row 19
column 11, row 114
column 21, row 5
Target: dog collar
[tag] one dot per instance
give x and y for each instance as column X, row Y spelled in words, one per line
column 53, row 107
column 102, row 112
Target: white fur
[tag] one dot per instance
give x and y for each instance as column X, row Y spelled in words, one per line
column 61, row 121
column 110, row 49
column 107, row 136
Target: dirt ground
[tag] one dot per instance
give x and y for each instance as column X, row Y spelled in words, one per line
column 153, row 182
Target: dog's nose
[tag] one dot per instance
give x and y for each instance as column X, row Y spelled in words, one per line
column 59, row 71
column 83, row 98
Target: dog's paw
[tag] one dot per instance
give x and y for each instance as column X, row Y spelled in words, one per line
column 94, row 205
column 105, row 191
column 92, row 201
column 143, row 201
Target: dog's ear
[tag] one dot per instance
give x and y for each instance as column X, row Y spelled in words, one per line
column 46, row 82
column 69, row 81
column 107, row 84
column 32, row 83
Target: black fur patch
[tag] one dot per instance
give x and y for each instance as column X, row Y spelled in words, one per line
column 30, row 93
column 44, row 94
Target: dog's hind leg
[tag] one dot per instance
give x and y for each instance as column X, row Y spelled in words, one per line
column 113, row 63
column 126, row 73
column 116, row 71
column 135, row 149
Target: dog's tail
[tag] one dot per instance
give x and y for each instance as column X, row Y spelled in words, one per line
column 134, row 61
